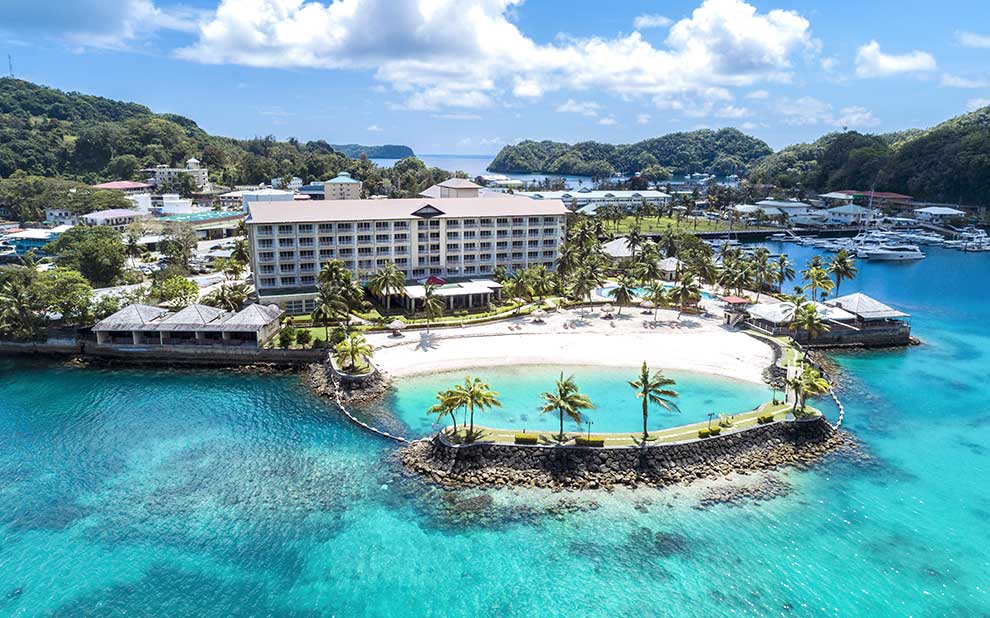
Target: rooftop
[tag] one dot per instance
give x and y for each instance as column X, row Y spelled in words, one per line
column 940, row 210
column 866, row 307
column 343, row 178
column 122, row 185
column 113, row 213
column 193, row 317
column 589, row 194
column 458, row 183
column 425, row 208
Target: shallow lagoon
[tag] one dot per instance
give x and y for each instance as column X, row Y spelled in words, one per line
column 181, row 494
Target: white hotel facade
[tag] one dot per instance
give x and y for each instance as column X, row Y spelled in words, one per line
column 453, row 238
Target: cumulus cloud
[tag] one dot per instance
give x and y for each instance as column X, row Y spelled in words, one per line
column 411, row 46
column 456, row 116
column 758, row 95
column 104, row 24
column 375, row 128
column 731, row 111
column 805, row 111
column 956, row 81
column 651, row 20
column 585, row 108
column 975, row 104
column 871, row 62
column 971, row 39
column 643, row 119
column 608, row 121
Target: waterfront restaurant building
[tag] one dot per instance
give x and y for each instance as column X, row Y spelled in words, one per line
column 457, row 239
column 144, row 325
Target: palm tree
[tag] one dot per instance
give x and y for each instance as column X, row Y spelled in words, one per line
column 807, row 319
column 684, row 292
column 808, row 383
column 842, row 266
column 351, row 350
column 518, row 286
column 131, row 247
column 624, row 292
column 329, row 306
column 762, row 269
column 652, row 388
column 241, row 253
column 474, row 394
column 817, row 279
column 659, row 295
column 387, row 281
column 583, row 283
column 783, row 271
column 433, row 304
column 542, row 281
column 334, row 272
column 566, row 400
column 634, row 240
column 445, row 406
column 17, row 315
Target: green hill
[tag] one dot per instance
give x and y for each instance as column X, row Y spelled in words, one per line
column 947, row 163
column 386, row 151
column 723, row 152
column 48, row 132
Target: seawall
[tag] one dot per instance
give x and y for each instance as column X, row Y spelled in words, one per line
column 773, row 445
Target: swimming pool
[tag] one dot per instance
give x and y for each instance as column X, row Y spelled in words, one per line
column 603, row 292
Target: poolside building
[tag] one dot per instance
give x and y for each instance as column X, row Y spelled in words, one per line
column 144, row 325
column 117, row 218
column 938, row 214
column 587, row 201
column 454, row 238
column 34, row 239
column 852, row 320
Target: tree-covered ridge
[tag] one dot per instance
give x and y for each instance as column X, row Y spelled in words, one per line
column 385, row 151
column 947, row 163
column 47, row 132
column 723, row 152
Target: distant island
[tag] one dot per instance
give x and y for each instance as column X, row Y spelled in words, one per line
column 722, row 152
column 386, row 151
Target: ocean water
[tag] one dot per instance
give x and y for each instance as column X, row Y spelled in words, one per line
column 198, row 493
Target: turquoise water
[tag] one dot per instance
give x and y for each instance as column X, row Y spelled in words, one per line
column 640, row 292
column 616, row 407
column 181, row 494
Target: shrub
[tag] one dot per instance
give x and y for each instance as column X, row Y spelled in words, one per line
column 336, row 336
column 526, row 438
column 286, row 337
column 764, row 419
column 304, row 337
column 715, row 430
column 585, row 441
column 704, row 433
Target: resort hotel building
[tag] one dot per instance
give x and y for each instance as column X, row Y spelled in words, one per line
column 456, row 241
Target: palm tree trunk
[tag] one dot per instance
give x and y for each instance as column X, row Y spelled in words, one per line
column 471, row 411
column 561, row 425
column 645, row 413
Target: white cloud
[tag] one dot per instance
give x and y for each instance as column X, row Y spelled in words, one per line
column 829, row 63
column 970, row 39
column 489, row 141
column 608, row 121
column 731, row 111
column 807, row 111
column 651, row 20
column 975, row 104
column 585, row 108
column 101, row 24
column 643, row 118
column 871, row 62
column 748, row 126
column 375, row 128
column 456, row 116
column 956, row 81
column 410, row 46
column 758, row 95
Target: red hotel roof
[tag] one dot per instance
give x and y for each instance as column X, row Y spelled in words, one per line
column 735, row 300
column 122, row 185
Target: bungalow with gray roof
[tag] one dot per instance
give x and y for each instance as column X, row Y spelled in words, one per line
column 144, row 325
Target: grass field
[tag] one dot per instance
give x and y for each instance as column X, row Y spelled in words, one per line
column 654, row 226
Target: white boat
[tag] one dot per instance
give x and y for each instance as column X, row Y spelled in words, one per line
column 892, row 253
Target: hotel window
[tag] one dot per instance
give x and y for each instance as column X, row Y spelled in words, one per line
column 307, row 268
column 325, row 227
column 265, row 230
column 516, row 255
column 363, row 251
column 308, row 280
column 485, row 257
column 286, row 242
column 382, row 238
column 346, row 252
column 364, row 238
column 286, row 255
column 345, row 240
column 549, row 243
column 470, row 221
column 502, row 221
column 400, row 249
column 267, row 282
column 267, row 256
column 402, row 261
column 345, row 227
column 486, row 222
column 533, row 255
column 453, row 235
column 267, row 269
column 285, row 229
column 265, row 243
column 286, row 268
column 366, row 264
column 501, row 257
column 534, row 220
column 453, row 247
column 518, row 221
column 306, row 255
column 469, row 246
column 485, row 245
column 305, row 228
column 326, row 241
column 486, row 233
column 288, row 280
column 326, row 253
column 400, row 237
column 548, row 254
column 502, row 245
column 453, row 259
column 306, row 241
column 381, row 225
column 549, row 220
column 469, row 234
column 400, row 225
column 383, row 251
column 533, row 243
column 549, row 231
column 434, row 235
column 418, row 272
column 381, row 263
column 518, row 233
column 517, row 244
column 469, row 270
column 364, row 226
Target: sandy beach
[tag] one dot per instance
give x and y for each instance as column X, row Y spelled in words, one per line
column 580, row 338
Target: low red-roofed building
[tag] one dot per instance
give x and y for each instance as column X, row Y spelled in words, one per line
column 128, row 187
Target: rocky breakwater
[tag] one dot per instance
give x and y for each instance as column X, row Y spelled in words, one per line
column 323, row 381
column 765, row 447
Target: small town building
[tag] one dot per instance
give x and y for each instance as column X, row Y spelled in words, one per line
column 460, row 295
column 342, row 187
column 295, row 183
column 117, row 218
column 938, row 214
column 851, row 320
column 587, row 201
column 58, row 215
column 453, row 187
column 164, row 174
column 144, row 325
column 34, row 239
column 127, row 187
column 848, row 214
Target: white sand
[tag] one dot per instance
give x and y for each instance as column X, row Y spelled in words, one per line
column 697, row 344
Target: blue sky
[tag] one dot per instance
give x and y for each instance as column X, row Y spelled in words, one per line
column 469, row 76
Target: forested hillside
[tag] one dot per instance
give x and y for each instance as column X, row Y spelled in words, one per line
column 947, row 163
column 47, row 132
column 723, row 152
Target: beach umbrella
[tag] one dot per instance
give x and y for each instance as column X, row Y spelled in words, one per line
column 538, row 315
column 396, row 326
column 646, row 304
column 608, row 308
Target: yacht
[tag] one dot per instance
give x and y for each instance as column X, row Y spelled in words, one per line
column 892, row 253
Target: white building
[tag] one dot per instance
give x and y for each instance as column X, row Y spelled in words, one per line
column 172, row 204
column 343, row 187
column 938, row 214
column 791, row 208
column 295, row 183
column 165, row 174
column 448, row 237
column 848, row 214
column 587, row 201
column 142, row 202
column 117, row 218
column 127, row 187
column 452, row 187
column 56, row 215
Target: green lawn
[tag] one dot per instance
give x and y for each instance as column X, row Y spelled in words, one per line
column 653, row 226
column 742, row 420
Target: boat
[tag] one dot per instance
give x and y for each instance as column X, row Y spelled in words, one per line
column 892, row 253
